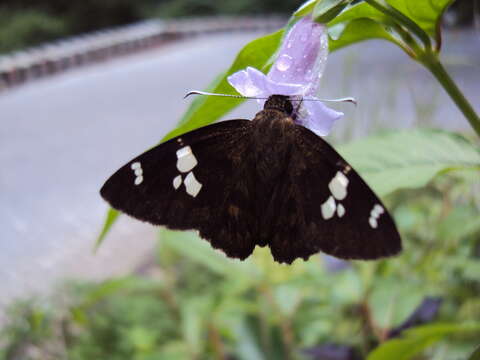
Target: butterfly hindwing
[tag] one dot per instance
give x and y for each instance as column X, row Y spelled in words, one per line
column 198, row 180
column 326, row 206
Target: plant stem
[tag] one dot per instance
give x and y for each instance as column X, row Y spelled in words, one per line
column 432, row 63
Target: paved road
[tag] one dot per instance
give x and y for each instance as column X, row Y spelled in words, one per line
column 61, row 137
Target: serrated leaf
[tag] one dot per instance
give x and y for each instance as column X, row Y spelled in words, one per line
column 409, row 158
column 415, row 340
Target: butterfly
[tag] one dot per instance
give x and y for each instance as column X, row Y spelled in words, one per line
column 266, row 182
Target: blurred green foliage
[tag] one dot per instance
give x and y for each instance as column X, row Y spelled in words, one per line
column 28, row 22
column 194, row 303
column 28, row 27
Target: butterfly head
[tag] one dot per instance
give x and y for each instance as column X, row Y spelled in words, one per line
column 279, row 102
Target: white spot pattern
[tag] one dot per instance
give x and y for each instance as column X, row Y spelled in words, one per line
column 138, row 171
column 328, row 208
column 375, row 213
column 177, row 181
column 192, row 186
column 186, row 161
column 338, row 186
column 340, row 210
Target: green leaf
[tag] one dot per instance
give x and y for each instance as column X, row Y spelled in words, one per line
column 361, row 10
column 111, row 218
column 326, row 10
column 142, row 339
column 189, row 245
column 306, row 8
column 247, row 347
column 356, row 31
column 475, row 355
column 409, row 158
column 195, row 312
column 416, row 340
column 106, row 289
column 427, row 13
column 206, row 110
column 423, row 16
column 389, row 305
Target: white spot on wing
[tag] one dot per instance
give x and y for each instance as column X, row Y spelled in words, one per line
column 186, row 160
column 338, row 186
column 192, row 185
column 377, row 211
column 328, row 208
column 138, row 180
column 340, row 210
column 177, row 181
column 137, row 169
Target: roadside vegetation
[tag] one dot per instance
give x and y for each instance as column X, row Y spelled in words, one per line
column 26, row 23
column 194, row 303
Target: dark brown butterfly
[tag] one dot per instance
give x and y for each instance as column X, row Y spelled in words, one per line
column 268, row 181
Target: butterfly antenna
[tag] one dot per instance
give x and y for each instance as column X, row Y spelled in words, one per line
column 346, row 99
column 196, row 92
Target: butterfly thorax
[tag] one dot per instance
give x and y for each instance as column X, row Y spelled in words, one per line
column 279, row 102
column 273, row 131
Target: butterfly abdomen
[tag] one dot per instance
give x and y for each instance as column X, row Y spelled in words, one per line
column 273, row 135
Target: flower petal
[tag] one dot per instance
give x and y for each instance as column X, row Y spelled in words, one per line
column 317, row 117
column 249, row 82
column 303, row 56
column 252, row 82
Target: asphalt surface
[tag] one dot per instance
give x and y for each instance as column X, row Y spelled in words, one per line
column 61, row 137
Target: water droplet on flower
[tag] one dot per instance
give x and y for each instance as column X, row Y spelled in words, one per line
column 299, row 69
column 289, row 45
column 304, row 37
column 284, row 62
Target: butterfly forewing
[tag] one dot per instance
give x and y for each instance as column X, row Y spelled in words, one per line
column 268, row 181
column 327, row 207
column 195, row 181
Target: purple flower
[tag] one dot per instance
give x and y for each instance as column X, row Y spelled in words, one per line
column 296, row 71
